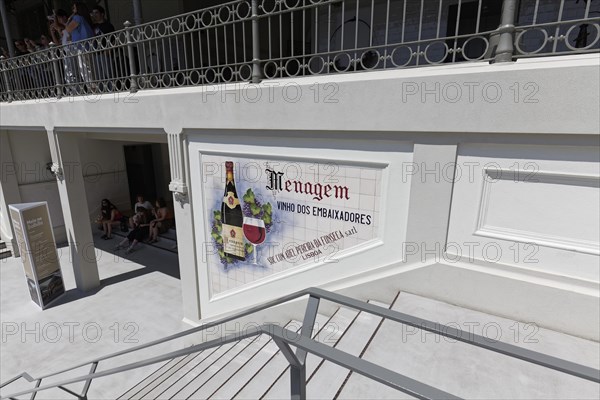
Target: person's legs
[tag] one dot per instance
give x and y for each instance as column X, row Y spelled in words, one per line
column 104, row 229
column 151, row 231
column 121, row 244
column 154, row 230
column 132, row 246
column 154, row 235
column 109, row 229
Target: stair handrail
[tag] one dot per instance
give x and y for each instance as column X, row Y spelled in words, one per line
column 304, row 345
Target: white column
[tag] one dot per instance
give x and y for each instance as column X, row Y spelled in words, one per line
column 188, row 266
column 64, row 148
column 9, row 191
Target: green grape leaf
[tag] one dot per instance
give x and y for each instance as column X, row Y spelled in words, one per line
column 255, row 209
column 267, row 218
column 249, row 196
column 222, row 253
column 217, row 215
column 215, row 235
column 267, row 207
column 219, row 240
column 249, row 248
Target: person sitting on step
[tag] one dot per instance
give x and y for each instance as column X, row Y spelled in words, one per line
column 141, row 203
column 109, row 215
column 162, row 222
column 140, row 230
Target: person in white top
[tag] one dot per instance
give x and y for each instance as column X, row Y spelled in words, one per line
column 141, row 203
column 58, row 27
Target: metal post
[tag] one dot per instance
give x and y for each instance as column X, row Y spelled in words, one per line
column 7, row 34
column 298, row 382
column 5, row 77
column 137, row 12
column 505, row 49
column 256, row 72
column 132, row 69
column 308, row 324
column 298, row 372
column 56, row 66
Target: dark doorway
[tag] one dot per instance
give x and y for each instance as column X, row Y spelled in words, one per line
column 467, row 24
column 140, row 172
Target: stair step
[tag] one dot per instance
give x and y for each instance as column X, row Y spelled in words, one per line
column 244, row 374
column 229, row 371
column 177, row 380
column 197, row 378
column 322, row 331
column 171, row 234
column 270, row 372
column 335, row 328
column 194, row 376
column 389, row 337
column 5, row 253
column 152, row 378
column 468, row 371
column 328, row 378
column 167, row 241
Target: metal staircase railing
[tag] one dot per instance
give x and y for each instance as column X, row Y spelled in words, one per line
column 304, row 345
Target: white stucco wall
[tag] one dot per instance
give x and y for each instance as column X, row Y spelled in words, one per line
column 31, row 153
column 536, row 115
column 104, row 174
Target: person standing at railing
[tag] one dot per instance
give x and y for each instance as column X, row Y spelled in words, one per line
column 20, row 48
column 47, row 77
column 104, row 62
column 57, row 27
column 21, row 75
column 101, row 25
column 79, row 27
column 60, row 35
column 31, row 45
column 40, row 74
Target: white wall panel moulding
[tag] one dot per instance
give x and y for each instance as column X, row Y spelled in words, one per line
column 328, row 214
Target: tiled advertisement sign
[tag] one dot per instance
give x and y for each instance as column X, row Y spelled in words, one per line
column 299, row 214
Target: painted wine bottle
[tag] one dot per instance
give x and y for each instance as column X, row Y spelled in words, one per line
column 233, row 218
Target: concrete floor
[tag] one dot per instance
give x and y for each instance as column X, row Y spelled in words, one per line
column 135, row 304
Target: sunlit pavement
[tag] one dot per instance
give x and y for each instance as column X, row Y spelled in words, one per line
column 139, row 301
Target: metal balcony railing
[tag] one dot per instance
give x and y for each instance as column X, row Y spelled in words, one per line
column 253, row 40
column 304, row 345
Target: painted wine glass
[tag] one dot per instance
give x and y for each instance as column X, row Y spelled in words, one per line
column 255, row 233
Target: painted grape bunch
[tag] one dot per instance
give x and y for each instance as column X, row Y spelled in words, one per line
column 252, row 208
